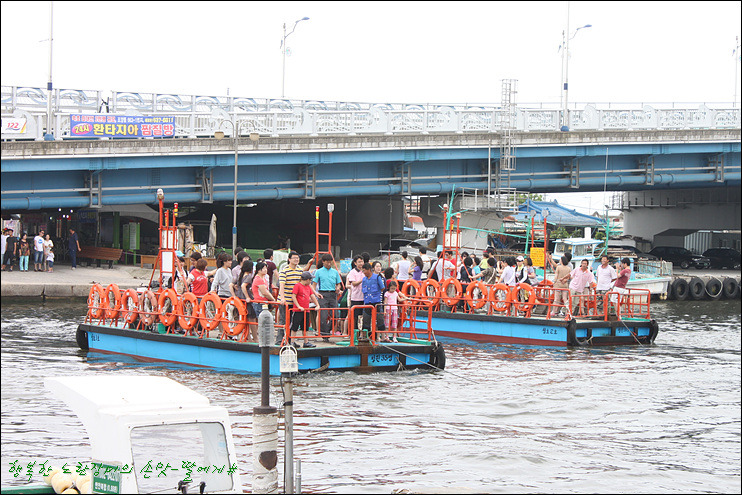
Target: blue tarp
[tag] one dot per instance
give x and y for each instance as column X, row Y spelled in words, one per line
column 557, row 215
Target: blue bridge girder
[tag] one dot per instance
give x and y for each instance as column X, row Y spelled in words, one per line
column 75, row 174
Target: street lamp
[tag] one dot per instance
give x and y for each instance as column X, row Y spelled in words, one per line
column 219, row 135
column 283, row 48
column 565, row 69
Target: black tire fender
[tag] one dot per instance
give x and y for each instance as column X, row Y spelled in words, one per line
column 654, row 329
column 572, row 334
column 680, row 289
column 438, row 356
column 81, row 336
column 697, row 288
column 730, row 288
column 714, row 288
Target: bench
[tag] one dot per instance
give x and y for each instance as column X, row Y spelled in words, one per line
column 99, row 254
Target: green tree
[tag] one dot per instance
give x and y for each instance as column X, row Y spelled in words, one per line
column 559, row 233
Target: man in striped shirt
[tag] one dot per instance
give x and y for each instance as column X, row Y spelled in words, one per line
column 288, row 277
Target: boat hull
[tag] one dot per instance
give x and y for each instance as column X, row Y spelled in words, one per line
column 246, row 357
column 543, row 332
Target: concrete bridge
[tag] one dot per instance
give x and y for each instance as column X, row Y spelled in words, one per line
column 72, row 173
column 303, row 150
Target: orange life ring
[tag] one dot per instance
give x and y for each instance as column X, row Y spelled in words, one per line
column 406, row 287
column 451, row 300
column 208, row 317
column 481, row 301
column 499, row 297
column 168, row 305
column 97, row 301
column 231, row 325
column 188, row 311
column 148, row 307
column 425, row 291
column 114, row 303
column 543, row 294
column 524, row 306
column 129, row 306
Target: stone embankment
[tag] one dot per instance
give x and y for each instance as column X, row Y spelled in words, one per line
column 66, row 282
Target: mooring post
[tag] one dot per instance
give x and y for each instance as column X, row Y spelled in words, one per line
column 265, row 418
column 289, row 367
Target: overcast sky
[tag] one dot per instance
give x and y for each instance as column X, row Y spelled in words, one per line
column 439, row 52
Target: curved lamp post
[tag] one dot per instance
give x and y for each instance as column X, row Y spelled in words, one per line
column 565, row 70
column 219, row 135
column 283, row 49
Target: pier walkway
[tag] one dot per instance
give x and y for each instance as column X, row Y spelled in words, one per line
column 66, row 282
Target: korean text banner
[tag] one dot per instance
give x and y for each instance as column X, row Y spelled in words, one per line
column 121, row 126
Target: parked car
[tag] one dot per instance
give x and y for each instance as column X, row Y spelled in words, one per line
column 681, row 257
column 399, row 245
column 639, row 254
column 723, row 257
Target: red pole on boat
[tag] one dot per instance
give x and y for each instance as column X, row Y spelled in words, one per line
column 160, row 198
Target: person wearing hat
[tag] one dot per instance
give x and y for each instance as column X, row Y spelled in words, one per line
column 10, row 250
column 521, row 272
column 302, row 295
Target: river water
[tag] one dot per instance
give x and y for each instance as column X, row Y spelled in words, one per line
column 502, row 418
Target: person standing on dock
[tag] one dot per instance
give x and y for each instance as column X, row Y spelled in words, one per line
column 10, row 251
column 48, row 248
column 581, row 278
column 605, row 275
column 74, row 245
column 38, row 253
column 329, row 285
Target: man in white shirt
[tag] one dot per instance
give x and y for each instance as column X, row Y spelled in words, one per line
column 38, row 246
column 604, row 274
column 402, row 268
column 444, row 267
column 508, row 274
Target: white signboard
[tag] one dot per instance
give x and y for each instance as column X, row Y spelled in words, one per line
column 14, row 125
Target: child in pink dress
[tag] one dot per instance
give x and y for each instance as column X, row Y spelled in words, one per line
column 391, row 313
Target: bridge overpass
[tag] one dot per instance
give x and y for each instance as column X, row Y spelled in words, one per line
column 303, row 150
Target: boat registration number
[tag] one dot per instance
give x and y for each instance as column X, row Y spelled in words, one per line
column 383, row 359
column 94, row 337
column 549, row 331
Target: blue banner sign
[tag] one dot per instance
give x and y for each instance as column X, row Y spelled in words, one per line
column 121, row 126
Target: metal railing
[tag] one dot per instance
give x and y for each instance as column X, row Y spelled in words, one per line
column 201, row 116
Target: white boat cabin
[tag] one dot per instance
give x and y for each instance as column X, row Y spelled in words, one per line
column 581, row 249
column 151, row 434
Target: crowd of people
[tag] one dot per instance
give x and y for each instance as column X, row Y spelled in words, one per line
column 317, row 298
column 39, row 251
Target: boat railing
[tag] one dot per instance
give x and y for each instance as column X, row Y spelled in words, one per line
column 226, row 318
column 526, row 300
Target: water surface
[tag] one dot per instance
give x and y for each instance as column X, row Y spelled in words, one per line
column 501, row 418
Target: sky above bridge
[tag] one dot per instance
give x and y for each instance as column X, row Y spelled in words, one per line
column 437, row 52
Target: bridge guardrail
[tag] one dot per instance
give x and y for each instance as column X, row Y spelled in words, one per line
column 201, row 116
